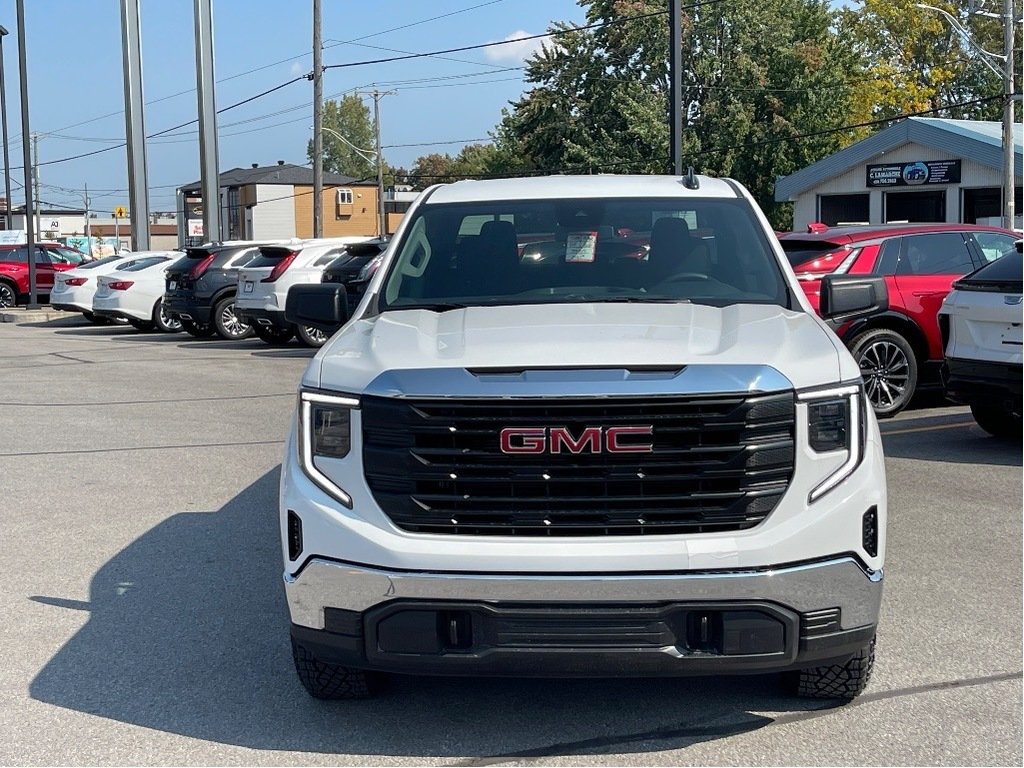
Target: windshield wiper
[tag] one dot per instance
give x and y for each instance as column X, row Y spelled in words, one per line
column 441, row 306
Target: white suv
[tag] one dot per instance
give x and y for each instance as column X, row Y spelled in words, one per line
column 584, row 426
column 980, row 322
column 264, row 282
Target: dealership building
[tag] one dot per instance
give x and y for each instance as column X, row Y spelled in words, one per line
column 917, row 170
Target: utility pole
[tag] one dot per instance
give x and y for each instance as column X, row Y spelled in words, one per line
column 35, row 184
column 8, row 216
column 135, row 126
column 382, row 221
column 675, row 98
column 87, row 228
column 318, row 125
column 26, row 158
column 1009, row 183
column 377, row 96
column 1006, row 74
column 209, row 163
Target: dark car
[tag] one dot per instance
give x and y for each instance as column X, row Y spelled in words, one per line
column 201, row 289
column 353, row 269
column 899, row 350
column 14, row 272
column 350, row 269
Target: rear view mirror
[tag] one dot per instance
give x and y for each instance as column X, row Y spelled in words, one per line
column 323, row 306
column 845, row 297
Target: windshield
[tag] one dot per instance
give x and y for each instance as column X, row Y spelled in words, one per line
column 708, row 251
column 1003, row 274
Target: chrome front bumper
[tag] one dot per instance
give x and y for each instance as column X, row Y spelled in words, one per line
column 839, row 582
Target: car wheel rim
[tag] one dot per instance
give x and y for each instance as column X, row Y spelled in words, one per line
column 886, row 372
column 316, row 335
column 168, row 322
column 232, row 325
column 6, row 296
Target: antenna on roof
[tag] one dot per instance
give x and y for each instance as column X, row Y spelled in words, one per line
column 689, row 180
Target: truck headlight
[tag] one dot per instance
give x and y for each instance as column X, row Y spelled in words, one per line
column 325, row 430
column 836, row 421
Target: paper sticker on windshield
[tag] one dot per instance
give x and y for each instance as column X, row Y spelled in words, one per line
column 580, row 247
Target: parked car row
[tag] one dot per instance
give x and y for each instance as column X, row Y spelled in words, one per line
column 900, row 350
column 232, row 290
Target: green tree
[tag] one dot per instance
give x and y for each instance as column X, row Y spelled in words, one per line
column 473, row 161
column 757, row 75
column 349, row 118
column 913, row 59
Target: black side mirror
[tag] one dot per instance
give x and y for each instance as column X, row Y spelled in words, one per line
column 844, row 297
column 323, row 306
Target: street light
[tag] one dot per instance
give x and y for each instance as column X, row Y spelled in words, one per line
column 8, row 221
column 1006, row 74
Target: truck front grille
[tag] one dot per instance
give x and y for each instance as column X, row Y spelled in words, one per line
column 718, row 463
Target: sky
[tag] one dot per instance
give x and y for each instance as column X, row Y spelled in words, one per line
column 76, row 97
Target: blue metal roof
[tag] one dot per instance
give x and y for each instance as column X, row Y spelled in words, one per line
column 974, row 139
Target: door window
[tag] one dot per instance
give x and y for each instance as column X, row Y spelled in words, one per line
column 993, row 245
column 942, row 253
column 889, row 256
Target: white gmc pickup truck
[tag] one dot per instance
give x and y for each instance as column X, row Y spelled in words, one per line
column 584, row 426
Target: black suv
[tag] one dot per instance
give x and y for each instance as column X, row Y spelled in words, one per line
column 353, row 269
column 201, row 289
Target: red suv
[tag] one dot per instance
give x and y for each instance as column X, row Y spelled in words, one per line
column 50, row 258
column 901, row 347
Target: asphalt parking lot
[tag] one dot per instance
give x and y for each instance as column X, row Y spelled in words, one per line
column 145, row 623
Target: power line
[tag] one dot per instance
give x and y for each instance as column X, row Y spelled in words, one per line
column 554, row 33
column 437, row 143
column 285, row 61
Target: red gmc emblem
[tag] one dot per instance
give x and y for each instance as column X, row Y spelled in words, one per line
column 561, row 439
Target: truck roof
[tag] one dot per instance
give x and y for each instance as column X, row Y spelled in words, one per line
column 574, row 187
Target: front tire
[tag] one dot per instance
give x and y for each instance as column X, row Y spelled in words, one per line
column 275, row 337
column 197, row 330
column 838, row 681
column 997, row 420
column 310, row 336
column 323, row 680
column 229, row 326
column 889, row 367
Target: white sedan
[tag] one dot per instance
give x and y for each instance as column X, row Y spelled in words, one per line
column 74, row 289
column 135, row 292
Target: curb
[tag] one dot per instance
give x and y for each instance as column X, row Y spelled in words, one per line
column 21, row 316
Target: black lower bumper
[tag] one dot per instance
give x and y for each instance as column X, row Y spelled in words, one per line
column 979, row 381
column 555, row 640
column 114, row 314
column 179, row 308
column 262, row 317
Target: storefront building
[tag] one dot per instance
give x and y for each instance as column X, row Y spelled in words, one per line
column 917, row 170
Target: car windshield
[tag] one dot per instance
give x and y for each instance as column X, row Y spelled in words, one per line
column 708, row 251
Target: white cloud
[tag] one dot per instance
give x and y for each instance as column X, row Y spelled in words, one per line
column 297, row 68
column 518, row 51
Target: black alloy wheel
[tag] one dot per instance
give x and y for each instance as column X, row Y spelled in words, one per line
column 163, row 321
column 889, row 367
column 310, row 336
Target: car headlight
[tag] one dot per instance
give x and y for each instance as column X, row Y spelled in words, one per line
column 325, row 430
column 836, row 421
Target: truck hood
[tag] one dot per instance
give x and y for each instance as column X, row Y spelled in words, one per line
column 600, row 335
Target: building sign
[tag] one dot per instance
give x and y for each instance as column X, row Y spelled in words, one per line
column 914, row 174
column 195, row 227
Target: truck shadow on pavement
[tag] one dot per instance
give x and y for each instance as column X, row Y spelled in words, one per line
column 187, row 634
column 948, row 437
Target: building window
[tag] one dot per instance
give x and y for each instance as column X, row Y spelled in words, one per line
column 344, row 197
column 843, row 209
column 915, row 207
